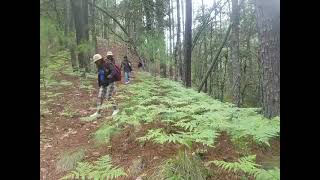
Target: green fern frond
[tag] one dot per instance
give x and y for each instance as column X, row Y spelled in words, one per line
column 101, row 169
column 247, row 165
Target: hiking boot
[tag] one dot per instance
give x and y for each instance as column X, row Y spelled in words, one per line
column 115, row 112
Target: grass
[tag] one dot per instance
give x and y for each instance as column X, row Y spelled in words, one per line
column 67, row 112
column 183, row 166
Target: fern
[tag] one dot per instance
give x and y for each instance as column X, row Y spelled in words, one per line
column 247, row 165
column 272, row 174
column 101, row 169
column 201, row 117
column 104, row 133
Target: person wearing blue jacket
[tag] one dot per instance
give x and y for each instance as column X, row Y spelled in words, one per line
column 106, row 82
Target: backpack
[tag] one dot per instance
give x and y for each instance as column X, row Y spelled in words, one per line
column 117, row 77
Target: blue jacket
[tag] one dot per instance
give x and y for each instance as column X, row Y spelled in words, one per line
column 103, row 72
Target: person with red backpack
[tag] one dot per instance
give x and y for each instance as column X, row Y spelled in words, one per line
column 108, row 74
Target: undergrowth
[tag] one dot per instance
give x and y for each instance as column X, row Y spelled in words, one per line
column 247, row 165
column 104, row 133
column 100, row 169
column 182, row 167
column 194, row 117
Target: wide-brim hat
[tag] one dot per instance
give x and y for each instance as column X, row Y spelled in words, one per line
column 96, row 57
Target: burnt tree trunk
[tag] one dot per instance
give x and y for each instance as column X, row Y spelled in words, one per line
column 268, row 22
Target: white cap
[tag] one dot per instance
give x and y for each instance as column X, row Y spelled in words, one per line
column 109, row 53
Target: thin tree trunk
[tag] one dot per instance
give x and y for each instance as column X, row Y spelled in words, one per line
column 93, row 30
column 188, row 43
column 205, row 52
column 178, row 45
column 182, row 17
column 174, row 46
column 170, row 43
column 85, row 17
column 73, row 57
column 66, row 18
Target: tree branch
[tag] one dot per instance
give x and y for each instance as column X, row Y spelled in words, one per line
column 215, row 61
column 114, row 19
column 120, row 37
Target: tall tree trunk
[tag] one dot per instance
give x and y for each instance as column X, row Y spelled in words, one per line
column 73, row 54
column 93, row 30
column 170, row 40
column 160, row 14
column 71, row 18
column 106, row 20
column 182, row 17
column 66, row 18
column 178, row 45
column 188, row 43
column 78, row 21
column 268, row 22
column 174, row 45
column 236, row 68
column 86, row 32
column 149, row 9
column 205, row 52
column 211, row 55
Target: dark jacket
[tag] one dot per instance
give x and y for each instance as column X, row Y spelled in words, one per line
column 103, row 73
column 126, row 66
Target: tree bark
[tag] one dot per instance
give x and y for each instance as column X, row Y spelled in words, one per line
column 93, row 30
column 188, row 43
column 268, row 22
column 236, row 68
column 78, row 21
column 66, row 17
column 178, row 45
column 170, row 40
column 149, row 9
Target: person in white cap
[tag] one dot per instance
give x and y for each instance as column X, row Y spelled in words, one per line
column 106, row 73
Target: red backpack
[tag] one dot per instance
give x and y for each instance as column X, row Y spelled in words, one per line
column 117, row 77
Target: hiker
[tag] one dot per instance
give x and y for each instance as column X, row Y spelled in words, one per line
column 127, row 68
column 107, row 73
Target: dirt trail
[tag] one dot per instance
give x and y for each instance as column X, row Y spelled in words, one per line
column 58, row 133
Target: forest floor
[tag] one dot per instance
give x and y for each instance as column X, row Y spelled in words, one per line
column 61, row 131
